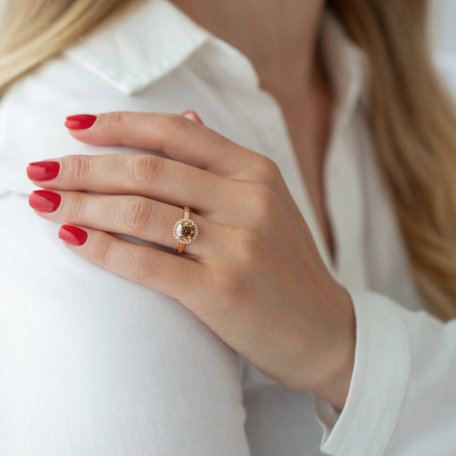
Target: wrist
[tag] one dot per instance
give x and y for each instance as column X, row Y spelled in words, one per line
column 334, row 385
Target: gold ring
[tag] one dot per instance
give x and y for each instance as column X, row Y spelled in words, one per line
column 185, row 230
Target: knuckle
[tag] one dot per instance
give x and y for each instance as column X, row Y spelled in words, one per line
column 267, row 170
column 250, row 242
column 144, row 266
column 78, row 207
column 78, row 166
column 136, row 214
column 166, row 125
column 145, row 169
column 262, row 200
column 116, row 119
column 230, row 285
column 171, row 122
column 103, row 253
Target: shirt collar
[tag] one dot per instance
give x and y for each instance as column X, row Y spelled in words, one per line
column 346, row 66
column 157, row 37
column 140, row 48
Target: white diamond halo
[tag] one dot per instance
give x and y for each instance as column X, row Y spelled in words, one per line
column 185, row 231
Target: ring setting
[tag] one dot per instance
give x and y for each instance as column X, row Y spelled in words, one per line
column 185, row 230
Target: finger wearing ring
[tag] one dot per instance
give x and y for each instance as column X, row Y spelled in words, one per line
column 136, row 216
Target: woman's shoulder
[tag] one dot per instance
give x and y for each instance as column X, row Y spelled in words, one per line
column 138, row 63
column 33, row 111
column 155, row 59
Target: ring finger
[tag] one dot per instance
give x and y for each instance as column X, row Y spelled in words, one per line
column 136, row 216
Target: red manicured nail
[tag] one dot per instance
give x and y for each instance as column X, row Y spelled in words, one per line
column 44, row 200
column 80, row 121
column 192, row 115
column 43, row 170
column 72, row 235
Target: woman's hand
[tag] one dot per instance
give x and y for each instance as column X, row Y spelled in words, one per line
column 253, row 274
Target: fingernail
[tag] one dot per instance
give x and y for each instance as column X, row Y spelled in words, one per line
column 192, row 115
column 44, row 200
column 80, row 121
column 43, row 170
column 72, row 235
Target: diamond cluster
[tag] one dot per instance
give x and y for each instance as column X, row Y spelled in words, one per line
column 185, row 231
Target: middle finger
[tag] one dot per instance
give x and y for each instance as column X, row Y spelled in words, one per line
column 151, row 176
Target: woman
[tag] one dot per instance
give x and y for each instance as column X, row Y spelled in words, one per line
column 314, row 290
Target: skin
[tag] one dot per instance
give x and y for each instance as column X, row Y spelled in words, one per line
column 265, row 292
column 288, row 63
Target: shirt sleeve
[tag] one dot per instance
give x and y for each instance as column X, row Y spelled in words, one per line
column 92, row 363
column 402, row 395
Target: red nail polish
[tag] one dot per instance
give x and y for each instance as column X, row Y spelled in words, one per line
column 80, row 121
column 43, row 170
column 192, row 115
column 72, row 235
column 44, row 200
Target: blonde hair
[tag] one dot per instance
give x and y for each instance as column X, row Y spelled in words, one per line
column 32, row 31
column 412, row 118
column 413, row 122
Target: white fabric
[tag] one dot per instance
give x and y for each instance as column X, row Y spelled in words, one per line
column 92, row 364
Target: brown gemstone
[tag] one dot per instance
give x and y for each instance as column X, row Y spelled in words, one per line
column 186, row 231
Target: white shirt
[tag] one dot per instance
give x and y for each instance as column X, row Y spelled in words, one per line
column 93, row 364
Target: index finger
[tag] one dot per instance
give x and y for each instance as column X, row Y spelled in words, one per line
column 171, row 134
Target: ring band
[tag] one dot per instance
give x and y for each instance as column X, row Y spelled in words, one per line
column 185, row 230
